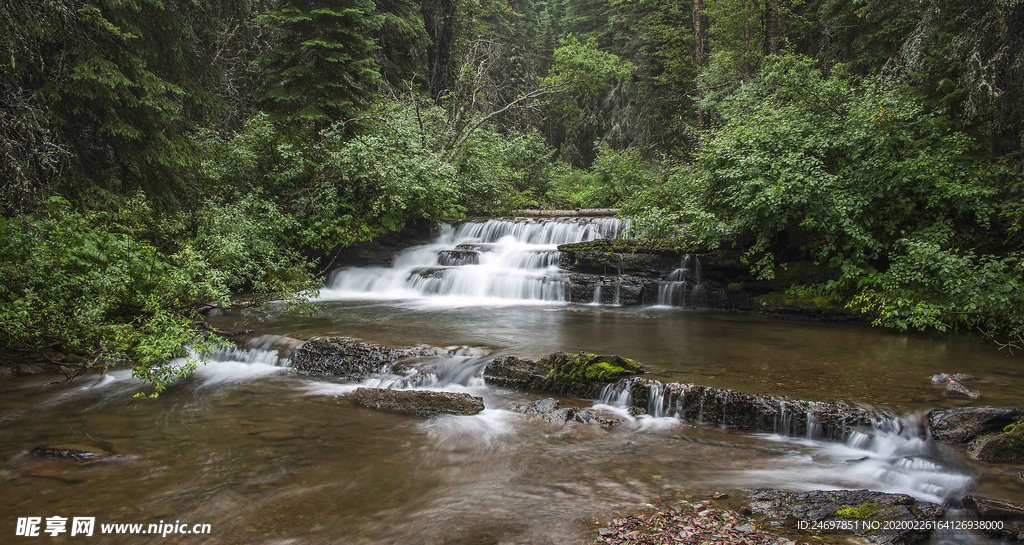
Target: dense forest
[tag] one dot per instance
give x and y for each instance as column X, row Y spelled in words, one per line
column 164, row 156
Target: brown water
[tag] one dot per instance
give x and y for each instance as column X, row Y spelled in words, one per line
column 267, row 456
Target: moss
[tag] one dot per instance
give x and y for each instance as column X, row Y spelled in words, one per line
column 801, row 296
column 863, row 511
column 578, row 373
column 675, row 246
column 1016, row 427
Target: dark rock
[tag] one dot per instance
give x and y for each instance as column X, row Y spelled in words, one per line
column 1007, row 532
column 6, row 372
column 850, row 505
column 1007, row 446
column 540, row 406
column 581, row 375
column 943, row 378
column 561, row 416
column 964, row 424
column 615, row 290
column 720, row 407
column 419, row 402
column 476, row 247
column 346, row 358
column 1020, row 476
column 27, row 369
column 619, row 257
column 987, row 509
column 957, row 390
column 457, row 258
column 72, row 453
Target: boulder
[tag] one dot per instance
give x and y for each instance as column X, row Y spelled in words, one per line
column 540, row 406
column 987, row 509
column 1007, row 446
column 957, row 390
column 943, row 378
column 964, row 424
column 580, row 375
column 549, row 411
column 346, row 358
column 620, row 257
column 419, row 402
column 615, row 290
column 72, row 452
column 850, row 506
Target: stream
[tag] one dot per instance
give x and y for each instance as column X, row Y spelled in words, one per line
column 266, row 455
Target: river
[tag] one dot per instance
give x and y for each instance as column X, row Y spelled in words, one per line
column 266, row 455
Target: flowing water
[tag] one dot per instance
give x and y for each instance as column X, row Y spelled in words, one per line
column 266, row 455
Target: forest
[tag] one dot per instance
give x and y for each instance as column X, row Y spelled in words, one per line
column 164, row 156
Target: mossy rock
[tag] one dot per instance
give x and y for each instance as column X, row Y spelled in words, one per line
column 1007, row 446
column 864, row 511
column 674, row 246
column 584, row 374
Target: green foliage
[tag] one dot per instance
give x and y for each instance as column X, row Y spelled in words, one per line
column 322, row 69
column 860, row 178
column 91, row 289
column 614, row 176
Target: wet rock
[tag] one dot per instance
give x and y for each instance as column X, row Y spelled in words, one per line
column 957, row 390
column 987, row 509
column 458, row 258
column 1008, row 532
column 72, row 452
column 943, row 378
column 728, row 408
column 620, row 257
column 6, row 372
column 346, row 358
column 1007, row 446
column 560, row 416
column 540, row 406
column 581, row 375
column 614, row 290
column 850, row 505
column 419, row 402
column 600, row 418
column 964, row 424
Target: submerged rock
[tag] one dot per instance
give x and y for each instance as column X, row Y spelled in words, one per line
column 943, row 378
column 957, row 390
column 549, row 411
column 72, row 452
column 581, row 375
column 851, row 506
column 540, row 406
column 347, row 358
column 419, row 402
column 1007, row 446
column 964, row 424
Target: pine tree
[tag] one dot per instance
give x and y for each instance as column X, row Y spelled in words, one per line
column 322, row 69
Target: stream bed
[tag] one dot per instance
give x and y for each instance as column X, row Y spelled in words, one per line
column 266, row 455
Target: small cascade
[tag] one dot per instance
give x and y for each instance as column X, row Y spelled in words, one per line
column 478, row 263
column 617, row 394
column 682, row 287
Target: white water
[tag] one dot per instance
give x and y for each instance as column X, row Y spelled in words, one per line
column 673, row 290
column 487, row 263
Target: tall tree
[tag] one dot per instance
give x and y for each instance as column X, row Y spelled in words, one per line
column 321, row 69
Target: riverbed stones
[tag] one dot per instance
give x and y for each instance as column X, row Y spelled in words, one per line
column 419, row 402
column 961, row 425
column 958, row 390
column 72, row 452
column 850, row 506
column 944, row 378
column 1007, row 446
column 580, row 375
column 346, row 358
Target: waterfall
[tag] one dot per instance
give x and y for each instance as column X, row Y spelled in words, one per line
column 682, row 287
column 488, row 262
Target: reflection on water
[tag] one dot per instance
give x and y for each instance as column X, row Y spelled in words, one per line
column 269, row 456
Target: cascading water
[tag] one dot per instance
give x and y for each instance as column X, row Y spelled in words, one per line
column 681, row 284
column 493, row 261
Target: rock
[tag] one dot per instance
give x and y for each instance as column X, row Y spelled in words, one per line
column 541, row 406
column 72, row 452
column 956, row 390
column 987, row 509
column 850, row 505
column 457, row 258
column 615, row 290
column 1020, row 476
column 6, row 372
column 561, row 416
column 346, row 358
column 619, row 256
column 964, row 424
column 419, row 402
column 601, row 418
column 1007, row 446
column 1008, row 532
column 943, row 378
column 759, row 413
column 581, row 375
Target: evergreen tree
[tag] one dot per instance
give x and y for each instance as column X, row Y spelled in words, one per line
column 322, row 68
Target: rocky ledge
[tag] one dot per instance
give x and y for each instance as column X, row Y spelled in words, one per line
column 419, row 402
column 620, row 256
column 962, row 425
column 351, row 359
column 857, row 508
column 580, row 375
column 549, row 411
column 1011, row 515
